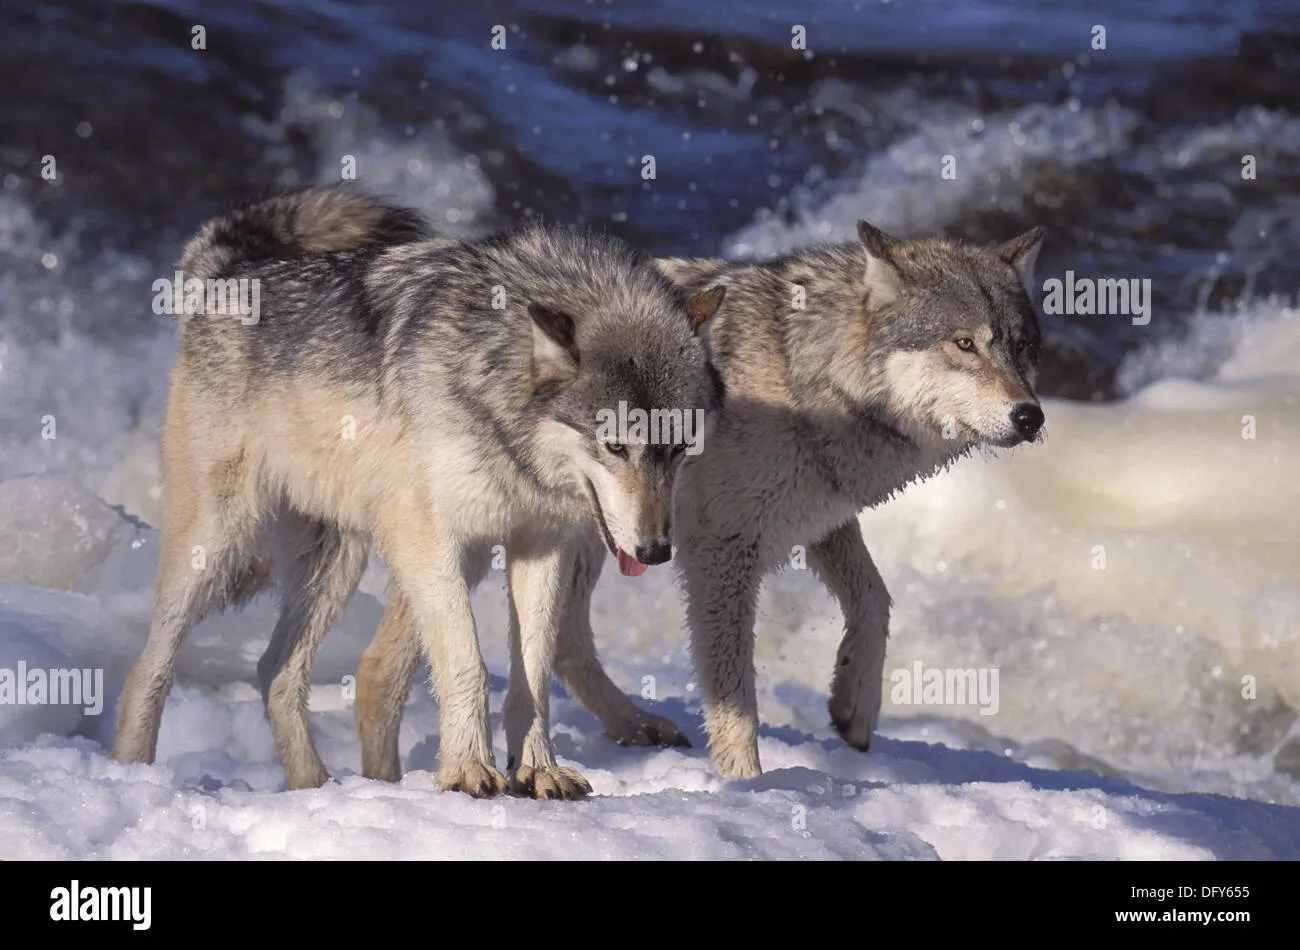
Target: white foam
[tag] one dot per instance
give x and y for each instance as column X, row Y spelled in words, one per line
column 900, row 190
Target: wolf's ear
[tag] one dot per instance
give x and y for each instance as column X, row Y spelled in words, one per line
column 882, row 277
column 705, row 304
column 555, row 347
column 1021, row 253
column 877, row 242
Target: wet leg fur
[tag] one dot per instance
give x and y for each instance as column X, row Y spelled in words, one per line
column 432, row 570
column 323, row 564
column 579, row 667
column 390, row 660
column 540, row 580
column 722, row 582
column 207, row 560
column 844, row 565
column 383, row 684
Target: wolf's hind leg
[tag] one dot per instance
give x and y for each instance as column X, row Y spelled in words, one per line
column 206, row 560
column 383, row 684
column 579, row 667
column 322, row 565
column 843, row 563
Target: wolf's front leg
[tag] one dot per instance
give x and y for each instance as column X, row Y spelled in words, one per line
column 540, row 578
column 430, row 571
column 722, row 581
column 843, row 563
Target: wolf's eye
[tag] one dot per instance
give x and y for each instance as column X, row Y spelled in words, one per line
column 615, row 447
column 964, row 343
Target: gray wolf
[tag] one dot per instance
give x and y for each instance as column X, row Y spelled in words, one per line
column 850, row 372
column 440, row 399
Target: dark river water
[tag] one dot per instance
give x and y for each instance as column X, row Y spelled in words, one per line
column 1130, row 155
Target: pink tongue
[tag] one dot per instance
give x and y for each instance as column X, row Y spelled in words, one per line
column 629, row 566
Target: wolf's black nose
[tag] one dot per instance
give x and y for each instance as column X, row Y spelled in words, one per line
column 656, row 552
column 1028, row 419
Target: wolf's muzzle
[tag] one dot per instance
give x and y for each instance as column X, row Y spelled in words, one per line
column 656, row 552
column 1028, row 419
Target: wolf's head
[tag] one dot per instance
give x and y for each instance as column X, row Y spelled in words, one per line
column 629, row 393
column 951, row 337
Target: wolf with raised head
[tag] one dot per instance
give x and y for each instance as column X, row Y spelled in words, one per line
column 850, row 371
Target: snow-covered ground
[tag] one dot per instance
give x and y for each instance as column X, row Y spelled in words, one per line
column 933, row 787
column 63, row 798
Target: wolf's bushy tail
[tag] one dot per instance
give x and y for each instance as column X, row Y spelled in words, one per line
column 303, row 222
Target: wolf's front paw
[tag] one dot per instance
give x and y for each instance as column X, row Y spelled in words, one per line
column 647, row 729
column 744, row 765
column 474, row 778
column 554, row 782
column 855, row 713
column 304, row 770
column 733, row 742
column 855, row 732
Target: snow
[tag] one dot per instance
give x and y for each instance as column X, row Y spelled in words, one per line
column 911, row 798
column 931, row 787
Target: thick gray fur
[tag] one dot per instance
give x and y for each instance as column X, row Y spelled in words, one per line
column 850, row 371
column 438, row 398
